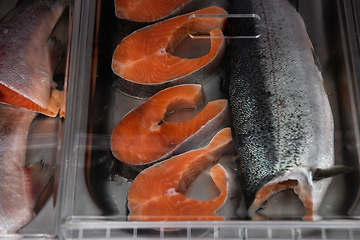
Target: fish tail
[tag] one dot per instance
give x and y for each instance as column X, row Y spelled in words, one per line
column 320, row 174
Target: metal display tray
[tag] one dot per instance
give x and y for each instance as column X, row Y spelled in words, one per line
column 93, row 186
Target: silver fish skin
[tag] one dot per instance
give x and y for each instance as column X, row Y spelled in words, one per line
column 27, row 55
column 16, row 202
column 281, row 118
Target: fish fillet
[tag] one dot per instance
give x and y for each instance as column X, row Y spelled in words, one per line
column 281, row 117
column 143, row 136
column 157, row 193
column 144, row 61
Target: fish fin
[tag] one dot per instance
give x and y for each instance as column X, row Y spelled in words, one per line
column 39, row 175
column 45, row 195
column 56, row 50
column 320, row 174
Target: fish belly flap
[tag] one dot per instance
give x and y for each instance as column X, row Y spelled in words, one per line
column 13, row 98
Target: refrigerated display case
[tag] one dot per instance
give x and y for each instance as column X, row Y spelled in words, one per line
column 92, row 187
column 95, row 185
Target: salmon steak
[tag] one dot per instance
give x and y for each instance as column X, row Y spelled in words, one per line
column 157, row 193
column 144, row 63
column 29, row 56
column 143, row 136
column 149, row 11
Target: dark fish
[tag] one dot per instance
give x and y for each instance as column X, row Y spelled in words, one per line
column 281, row 117
column 19, row 186
column 28, row 56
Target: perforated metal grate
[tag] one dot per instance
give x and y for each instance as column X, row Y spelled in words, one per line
column 203, row 230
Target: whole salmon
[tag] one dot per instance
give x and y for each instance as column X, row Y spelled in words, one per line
column 29, row 55
column 19, row 186
column 282, row 122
